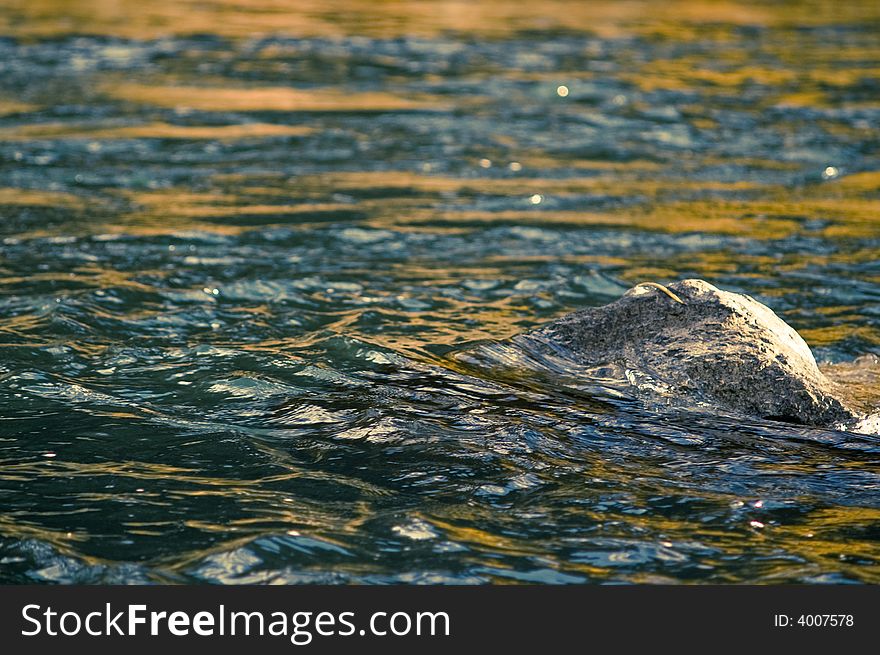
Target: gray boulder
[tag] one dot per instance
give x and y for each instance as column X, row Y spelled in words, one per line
column 704, row 343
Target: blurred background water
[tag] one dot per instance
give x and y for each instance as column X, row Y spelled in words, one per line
column 238, row 239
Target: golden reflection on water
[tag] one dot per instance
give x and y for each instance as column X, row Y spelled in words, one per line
column 848, row 205
column 8, row 106
column 814, row 537
column 801, row 87
column 859, row 378
column 672, row 205
column 390, row 18
column 35, row 198
column 156, row 130
column 262, row 98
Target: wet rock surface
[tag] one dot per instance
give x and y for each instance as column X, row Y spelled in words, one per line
column 704, row 342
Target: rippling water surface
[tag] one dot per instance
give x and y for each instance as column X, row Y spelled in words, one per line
column 239, row 241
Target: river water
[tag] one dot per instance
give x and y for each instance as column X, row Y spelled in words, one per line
column 239, row 239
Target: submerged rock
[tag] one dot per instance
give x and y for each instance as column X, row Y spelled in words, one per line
column 702, row 342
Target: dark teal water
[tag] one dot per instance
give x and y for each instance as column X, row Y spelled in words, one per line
column 232, row 266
